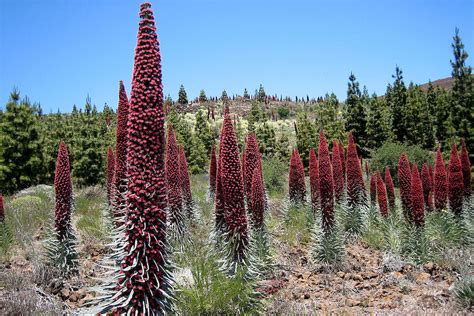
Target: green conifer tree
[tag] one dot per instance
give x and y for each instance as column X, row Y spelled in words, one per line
column 355, row 110
column 377, row 129
column 396, row 101
column 182, row 96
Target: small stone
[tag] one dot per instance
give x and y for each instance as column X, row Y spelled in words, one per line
column 350, row 302
column 341, row 274
column 306, row 296
column 357, row 277
column 65, row 293
column 422, row 277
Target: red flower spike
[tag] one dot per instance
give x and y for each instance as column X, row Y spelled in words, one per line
column 257, row 203
column 404, row 181
column 417, row 202
column 185, row 183
column 2, row 209
column 355, row 183
column 296, row 182
column 343, row 160
column 382, row 195
column 146, row 198
column 212, row 171
column 218, row 201
column 390, row 189
column 63, row 190
column 326, row 185
column 120, row 174
column 367, row 169
column 427, row 185
column 314, row 179
column 466, row 170
column 440, row 183
column 455, row 182
column 251, row 161
column 373, row 189
column 232, row 186
column 173, row 179
column 110, row 173
column 338, row 176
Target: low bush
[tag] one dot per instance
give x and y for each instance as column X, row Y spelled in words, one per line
column 275, row 176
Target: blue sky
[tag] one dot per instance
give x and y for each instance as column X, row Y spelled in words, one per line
column 59, row 51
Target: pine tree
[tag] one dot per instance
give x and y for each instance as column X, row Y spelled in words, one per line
column 261, row 94
column 396, row 100
column 418, row 124
column 202, row 96
column 182, row 96
column 266, row 137
column 441, row 119
column 203, row 131
column 306, row 136
column 246, row 94
column 329, row 117
column 355, row 111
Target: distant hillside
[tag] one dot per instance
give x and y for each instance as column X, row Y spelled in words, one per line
column 446, row 83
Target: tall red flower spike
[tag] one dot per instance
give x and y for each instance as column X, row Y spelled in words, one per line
column 381, row 195
column 427, row 185
column 314, row 179
column 404, row 182
column 373, row 189
column 185, row 183
column 390, row 189
column 212, row 171
column 466, row 170
column 367, row 169
column 326, row 185
column 173, row 180
column 343, row 160
column 440, row 183
column 2, row 210
column 63, row 190
column 355, row 183
column 233, row 188
column 417, row 202
column 455, row 182
column 120, row 178
column 110, row 173
column 219, row 201
column 251, row 162
column 296, row 183
column 338, row 176
column 143, row 284
column 257, row 201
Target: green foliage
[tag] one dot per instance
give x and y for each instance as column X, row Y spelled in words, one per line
column 355, row 110
column 274, row 175
column 419, row 121
column 464, row 293
column 329, row 118
column 378, row 123
column 282, row 150
column 202, row 96
column 306, row 137
column 297, row 225
column 261, row 94
column 256, row 115
column 389, row 154
column 328, row 248
column 266, row 139
column 396, row 97
column 283, row 112
column 197, row 155
column 441, row 119
column 182, row 96
column 203, row 131
column 6, row 240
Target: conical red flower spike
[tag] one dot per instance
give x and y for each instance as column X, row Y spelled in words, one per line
column 355, row 183
column 173, row 179
column 185, row 183
column 110, row 173
column 381, row 195
column 417, row 202
column 367, row 169
column 390, row 189
column 63, row 190
column 219, row 201
column 296, row 183
column 338, row 176
column 373, row 189
column 466, row 170
column 343, row 160
column 326, row 185
column 251, row 162
column 257, row 203
column 426, row 182
column 212, row 171
column 440, row 183
column 314, row 179
column 455, row 182
column 404, row 182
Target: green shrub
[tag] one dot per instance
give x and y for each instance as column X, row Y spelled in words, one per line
column 275, row 176
column 283, row 112
column 389, row 154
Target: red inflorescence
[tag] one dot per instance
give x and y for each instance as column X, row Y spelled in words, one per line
column 146, row 197
column 257, row 203
column 63, row 190
column 326, row 185
column 427, row 185
column 314, row 179
column 120, row 177
column 466, row 170
column 2, row 210
column 110, row 173
column 417, row 203
column 185, row 183
column 355, row 183
column 251, row 161
column 404, row 182
column 173, row 179
column 381, row 195
column 296, row 184
column 440, row 183
column 390, row 189
column 218, row 200
column 338, row 176
column 455, row 182
column 232, row 185
column 212, row 171
column 366, row 169
column 373, row 189
column 343, row 160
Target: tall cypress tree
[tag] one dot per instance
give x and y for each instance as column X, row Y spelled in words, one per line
column 355, row 111
column 396, row 100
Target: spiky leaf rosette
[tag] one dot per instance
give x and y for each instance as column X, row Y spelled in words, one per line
column 144, row 282
column 455, row 182
column 173, row 183
column 314, row 179
column 120, row 176
column 296, row 183
column 417, row 202
column 466, row 170
column 257, row 203
column 338, row 176
column 355, row 183
column 251, row 162
column 390, row 189
column 381, row 195
column 185, row 184
column 326, row 185
column 440, row 185
column 343, row 160
column 110, row 173
column 373, row 189
column 212, row 172
column 233, row 195
column 404, row 181
column 427, row 185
